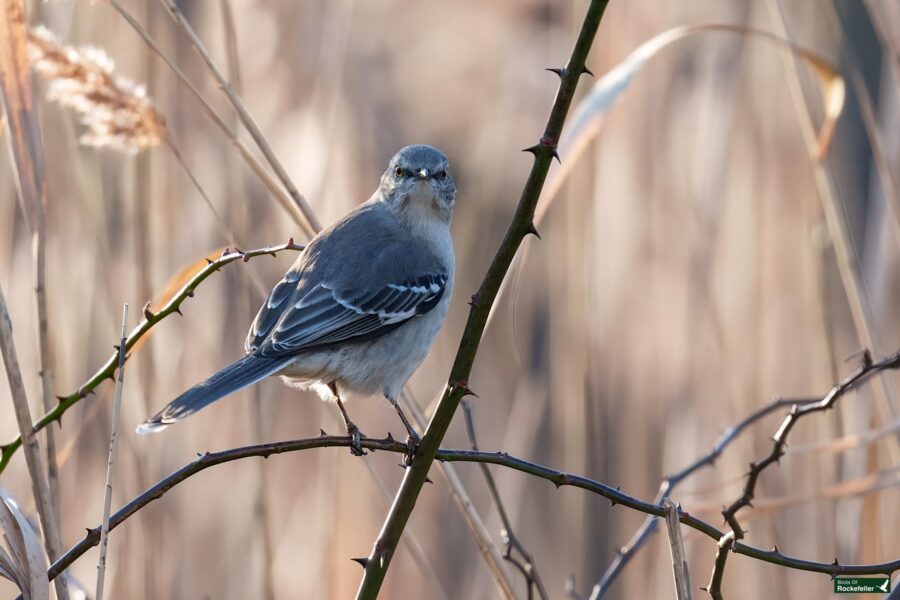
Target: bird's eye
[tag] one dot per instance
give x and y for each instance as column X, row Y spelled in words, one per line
column 440, row 175
column 398, row 172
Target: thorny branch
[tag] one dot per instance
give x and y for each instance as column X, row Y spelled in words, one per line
column 648, row 527
column 389, row 444
column 525, row 562
column 866, row 369
column 457, row 386
column 151, row 318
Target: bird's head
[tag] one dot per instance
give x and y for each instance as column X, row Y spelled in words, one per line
column 418, row 181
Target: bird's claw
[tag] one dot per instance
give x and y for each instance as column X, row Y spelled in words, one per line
column 412, row 445
column 356, row 448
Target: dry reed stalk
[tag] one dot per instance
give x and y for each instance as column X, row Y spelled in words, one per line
column 679, row 556
column 489, row 550
column 111, row 463
column 311, row 221
column 116, row 111
column 27, row 155
column 40, row 487
column 848, row 260
column 255, row 165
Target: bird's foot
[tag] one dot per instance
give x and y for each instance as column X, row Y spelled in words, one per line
column 412, row 446
column 355, row 434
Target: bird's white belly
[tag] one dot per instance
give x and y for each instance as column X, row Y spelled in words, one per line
column 379, row 366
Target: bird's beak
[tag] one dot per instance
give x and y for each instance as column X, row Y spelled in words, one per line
column 423, row 174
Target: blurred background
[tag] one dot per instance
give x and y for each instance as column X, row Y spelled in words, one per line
column 692, row 267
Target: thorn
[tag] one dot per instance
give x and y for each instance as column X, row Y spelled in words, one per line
column 836, row 563
column 390, row 438
column 428, row 480
column 867, row 358
column 704, row 589
column 473, row 301
column 178, row 310
column 775, row 549
column 209, row 262
column 557, row 484
column 290, row 242
column 586, row 71
column 531, row 229
column 322, row 433
column 362, row 561
column 533, row 149
column 148, row 314
column 469, row 392
column 462, row 383
column 559, row 72
column 226, row 251
column 556, row 156
column 60, row 399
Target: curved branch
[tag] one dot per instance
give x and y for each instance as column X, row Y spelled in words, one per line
column 389, row 444
column 648, row 527
column 150, row 319
column 779, row 442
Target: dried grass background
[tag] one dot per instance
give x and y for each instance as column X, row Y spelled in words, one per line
column 686, row 276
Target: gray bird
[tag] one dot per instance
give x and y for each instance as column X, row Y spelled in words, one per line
column 360, row 308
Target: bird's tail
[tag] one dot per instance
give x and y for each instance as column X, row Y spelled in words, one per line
column 235, row 376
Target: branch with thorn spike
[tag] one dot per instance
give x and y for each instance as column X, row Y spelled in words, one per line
column 107, row 371
column 866, row 369
column 414, row 477
column 668, row 485
column 210, row 459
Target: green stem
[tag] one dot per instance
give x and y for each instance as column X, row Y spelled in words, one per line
column 520, row 226
column 150, row 319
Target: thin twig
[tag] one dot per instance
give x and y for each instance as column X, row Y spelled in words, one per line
column 526, row 565
column 389, row 444
column 473, row 520
column 867, row 369
column 779, row 440
column 521, row 225
column 223, row 223
column 111, row 464
column 679, row 556
column 150, row 319
column 648, row 527
column 714, row 589
column 244, row 115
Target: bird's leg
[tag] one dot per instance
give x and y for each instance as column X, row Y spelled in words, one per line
column 352, row 430
column 413, row 439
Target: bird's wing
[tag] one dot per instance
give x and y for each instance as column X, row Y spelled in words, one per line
column 326, row 314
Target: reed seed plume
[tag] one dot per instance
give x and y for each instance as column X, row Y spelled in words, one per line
column 116, row 111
